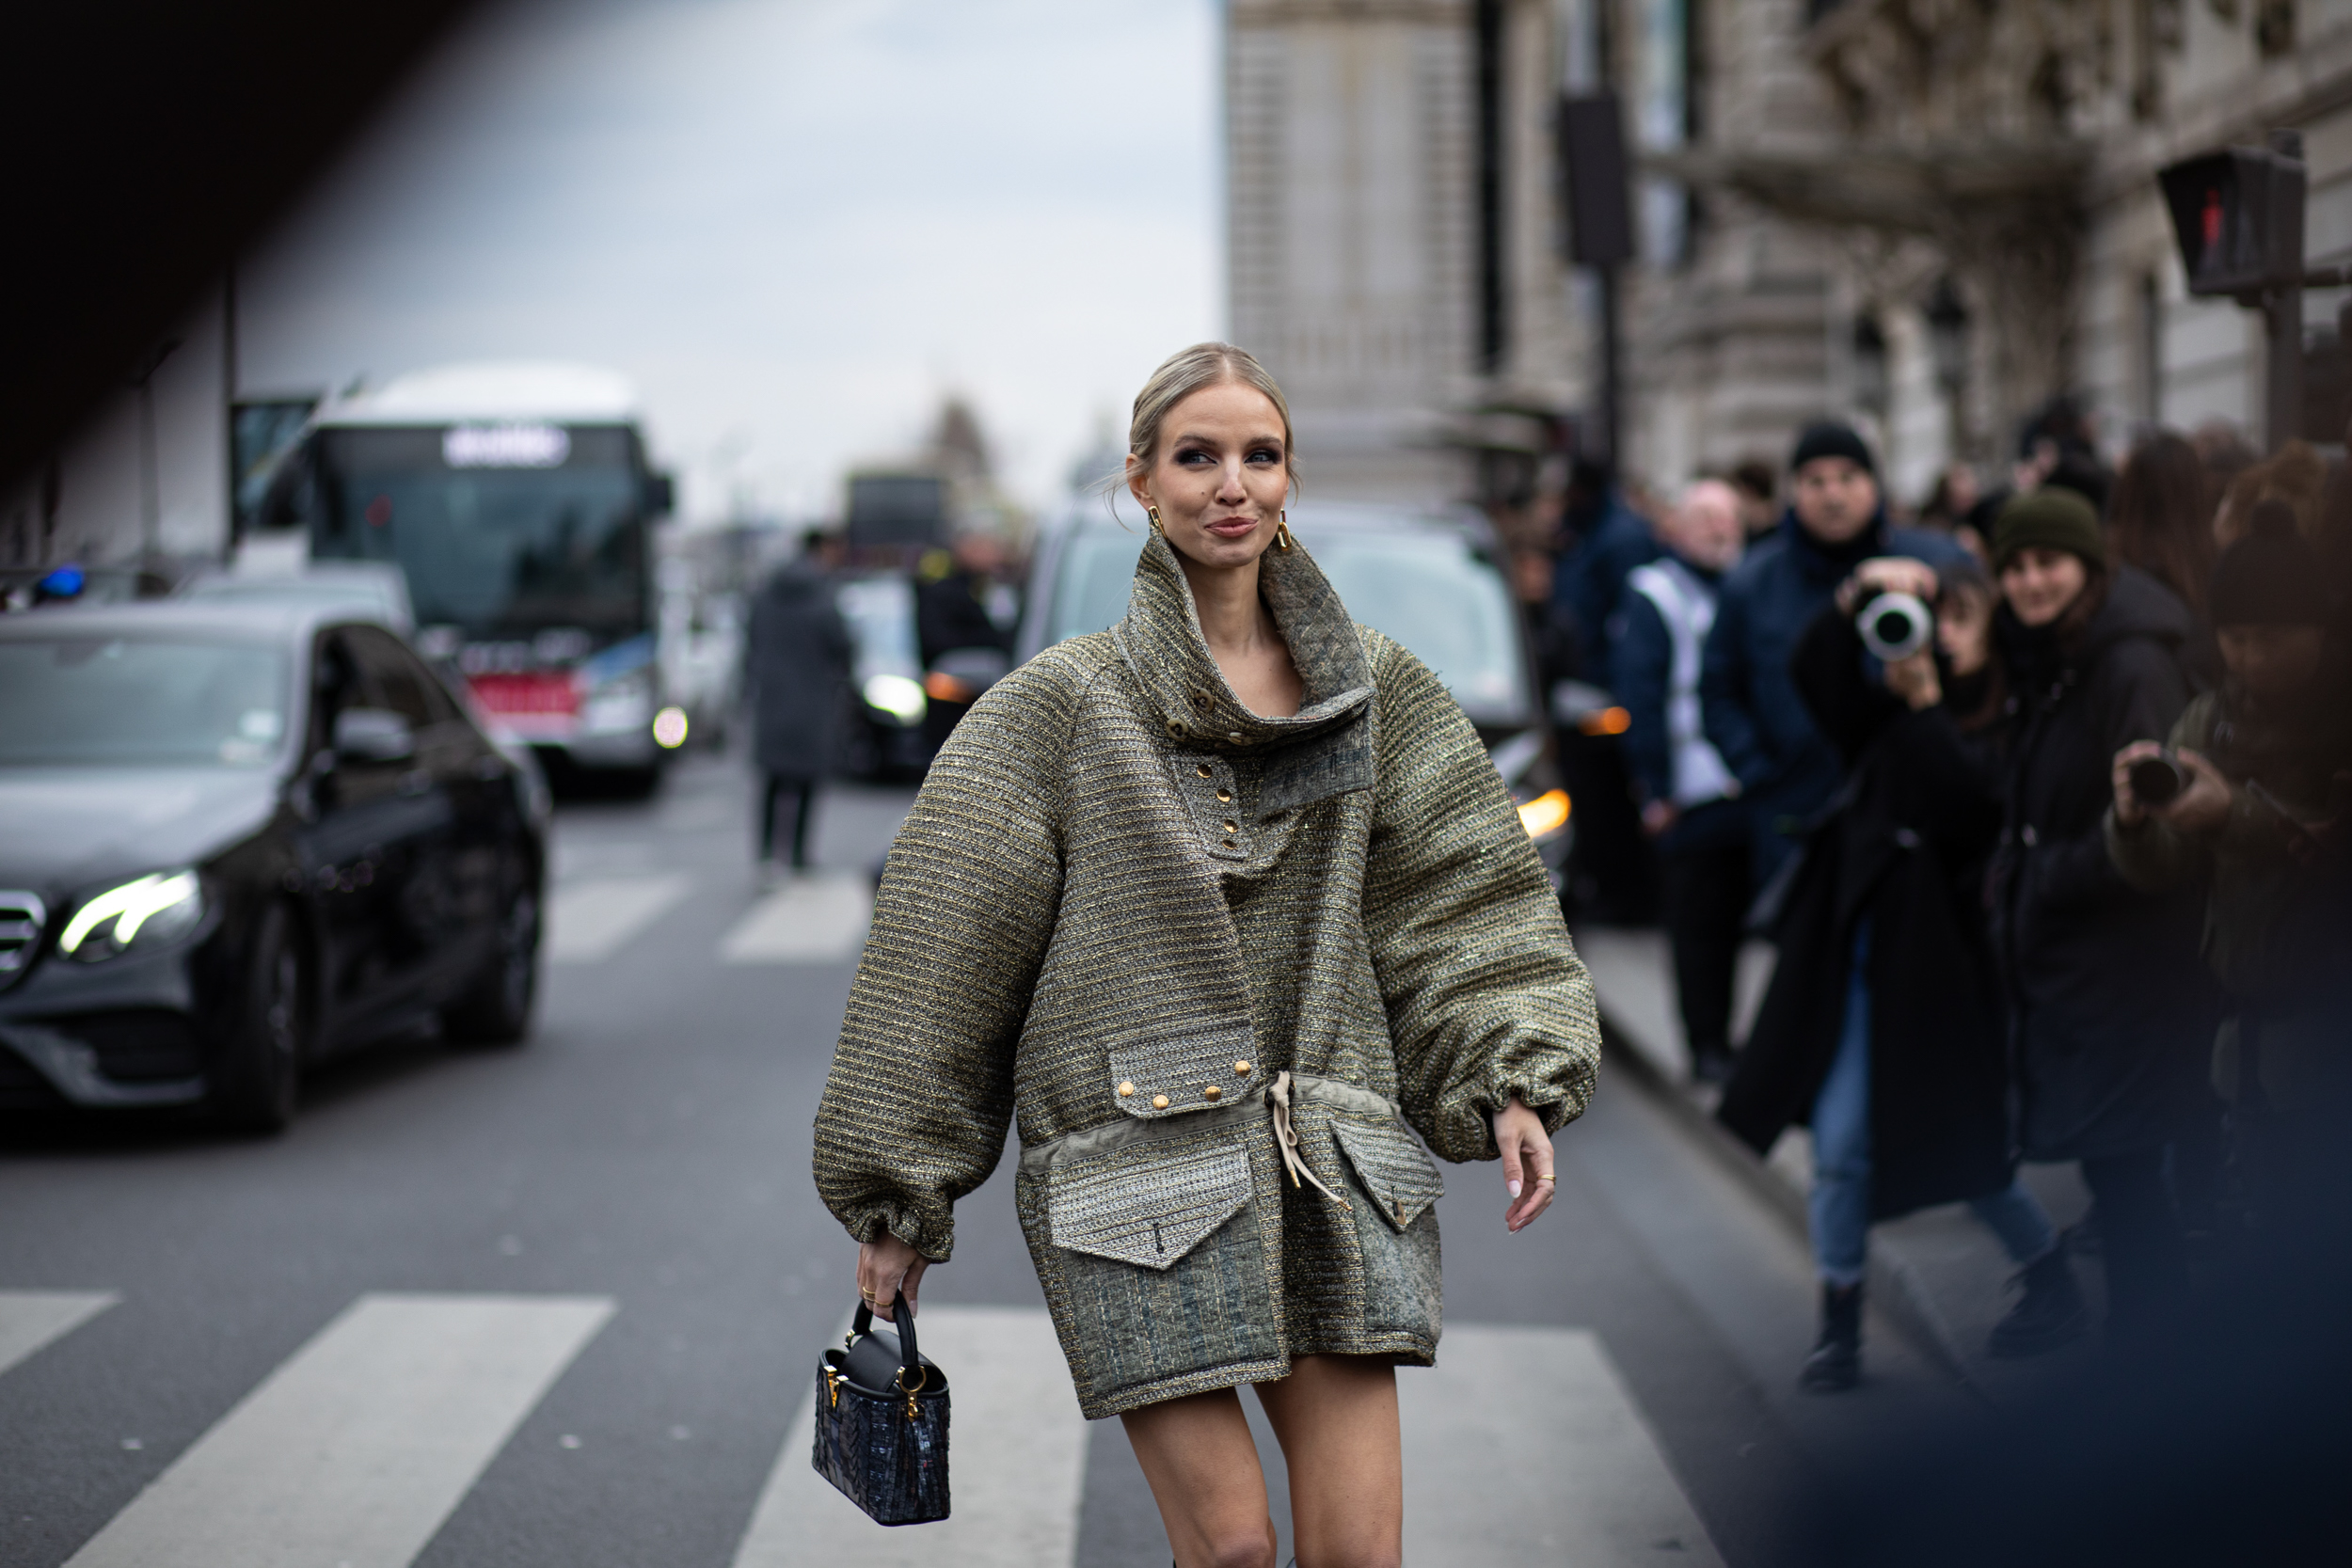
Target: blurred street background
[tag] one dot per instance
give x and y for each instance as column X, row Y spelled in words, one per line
column 500, row 504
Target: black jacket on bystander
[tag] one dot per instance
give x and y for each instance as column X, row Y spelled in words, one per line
column 2113, row 1007
column 1906, row 845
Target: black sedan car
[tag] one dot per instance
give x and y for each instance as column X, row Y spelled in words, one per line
column 1429, row 580
column 234, row 839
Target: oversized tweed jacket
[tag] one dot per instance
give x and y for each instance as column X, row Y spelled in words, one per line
column 1122, row 905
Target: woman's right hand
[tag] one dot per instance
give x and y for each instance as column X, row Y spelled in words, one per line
column 886, row 1268
column 1914, row 681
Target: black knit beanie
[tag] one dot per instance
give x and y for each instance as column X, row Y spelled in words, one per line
column 1828, row 438
column 2271, row 577
column 2050, row 518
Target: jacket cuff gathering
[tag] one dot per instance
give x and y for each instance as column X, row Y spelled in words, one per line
column 935, row 1237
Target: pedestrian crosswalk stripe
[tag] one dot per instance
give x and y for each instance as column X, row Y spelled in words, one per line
column 1522, row 1448
column 355, row 1449
column 1016, row 1461
column 807, row 920
column 589, row 921
column 32, row 1319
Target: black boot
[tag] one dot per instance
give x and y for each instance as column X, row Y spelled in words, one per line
column 2047, row 1315
column 1835, row 1364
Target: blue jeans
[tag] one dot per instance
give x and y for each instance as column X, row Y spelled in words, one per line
column 1839, row 1207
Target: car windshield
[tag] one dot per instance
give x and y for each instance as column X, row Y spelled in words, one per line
column 498, row 551
column 880, row 616
column 1431, row 591
column 122, row 702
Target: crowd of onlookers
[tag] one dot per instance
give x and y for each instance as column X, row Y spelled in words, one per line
column 2041, row 794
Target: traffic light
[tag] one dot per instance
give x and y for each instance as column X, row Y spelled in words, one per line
column 2239, row 216
column 1591, row 130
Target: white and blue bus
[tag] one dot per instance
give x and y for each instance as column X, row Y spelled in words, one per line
column 518, row 502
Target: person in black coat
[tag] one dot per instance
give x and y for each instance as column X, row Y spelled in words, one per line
column 1836, row 520
column 796, row 657
column 1882, row 1029
column 2110, row 1005
column 1608, row 540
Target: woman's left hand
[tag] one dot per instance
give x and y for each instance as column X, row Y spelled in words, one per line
column 1527, row 1164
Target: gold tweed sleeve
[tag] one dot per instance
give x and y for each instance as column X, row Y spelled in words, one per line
column 921, row 1090
column 1484, row 993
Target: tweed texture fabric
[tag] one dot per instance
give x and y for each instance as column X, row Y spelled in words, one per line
column 1122, row 904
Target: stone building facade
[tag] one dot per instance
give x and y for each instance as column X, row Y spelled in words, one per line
column 1391, row 224
column 1928, row 216
column 1932, row 216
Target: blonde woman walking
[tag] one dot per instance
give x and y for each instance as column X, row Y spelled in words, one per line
column 1219, row 903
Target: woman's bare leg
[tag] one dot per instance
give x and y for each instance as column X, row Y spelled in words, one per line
column 1202, row 1463
column 1335, row 1418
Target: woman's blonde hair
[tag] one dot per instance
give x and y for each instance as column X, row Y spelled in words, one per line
column 1186, row 372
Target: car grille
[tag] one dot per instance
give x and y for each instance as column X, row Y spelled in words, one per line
column 139, row 1044
column 21, row 917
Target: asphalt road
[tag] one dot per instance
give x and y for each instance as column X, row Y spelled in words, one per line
column 558, row 1304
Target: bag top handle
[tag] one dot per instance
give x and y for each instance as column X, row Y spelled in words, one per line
column 912, row 1374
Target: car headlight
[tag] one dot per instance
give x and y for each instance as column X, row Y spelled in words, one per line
column 1546, row 814
column 151, row 912
column 899, row 696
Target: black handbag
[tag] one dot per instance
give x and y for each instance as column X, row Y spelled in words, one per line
column 882, row 1423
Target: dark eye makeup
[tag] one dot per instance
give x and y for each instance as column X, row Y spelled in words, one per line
column 1186, row 454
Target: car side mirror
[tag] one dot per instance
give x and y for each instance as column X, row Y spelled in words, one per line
column 373, row 735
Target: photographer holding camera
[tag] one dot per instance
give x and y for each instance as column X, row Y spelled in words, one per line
column 1749, row 711
column 2108, row 1005
column 1883, row 1028
column 2247, row 799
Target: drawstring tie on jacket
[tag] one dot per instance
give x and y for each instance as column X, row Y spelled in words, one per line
column 1286, row 1137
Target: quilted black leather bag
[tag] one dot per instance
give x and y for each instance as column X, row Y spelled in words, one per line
column 882, row 1423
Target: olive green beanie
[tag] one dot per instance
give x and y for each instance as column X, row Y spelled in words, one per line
column 2052, row 518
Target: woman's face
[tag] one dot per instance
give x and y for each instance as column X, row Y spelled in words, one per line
column 2272, row 661
column 1963, row 630
column 2039, row 584
column 1221, row 475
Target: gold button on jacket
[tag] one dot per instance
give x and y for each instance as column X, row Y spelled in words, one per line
column 1062, row 895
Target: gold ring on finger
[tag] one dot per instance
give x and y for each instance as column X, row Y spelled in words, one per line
column 1548, row 1177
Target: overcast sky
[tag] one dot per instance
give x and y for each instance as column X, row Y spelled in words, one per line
column 796, row 223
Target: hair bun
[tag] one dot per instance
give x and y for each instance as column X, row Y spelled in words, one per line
column 2272, row 520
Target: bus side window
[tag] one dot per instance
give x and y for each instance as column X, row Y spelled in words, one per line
column 291, row 500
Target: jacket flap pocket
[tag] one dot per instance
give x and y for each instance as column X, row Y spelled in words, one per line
column 1168, row 1074
column 1147, row 1206
column 1397, row 1172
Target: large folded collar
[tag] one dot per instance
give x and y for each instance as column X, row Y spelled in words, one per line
column 1161, row 640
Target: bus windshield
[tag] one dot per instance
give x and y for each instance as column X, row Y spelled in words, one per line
column 500, row 536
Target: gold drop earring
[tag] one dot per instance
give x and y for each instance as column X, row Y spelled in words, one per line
column 1282, row 529
column 1154, row 514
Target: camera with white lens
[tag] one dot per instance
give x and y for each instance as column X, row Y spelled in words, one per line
column 1895, row 625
